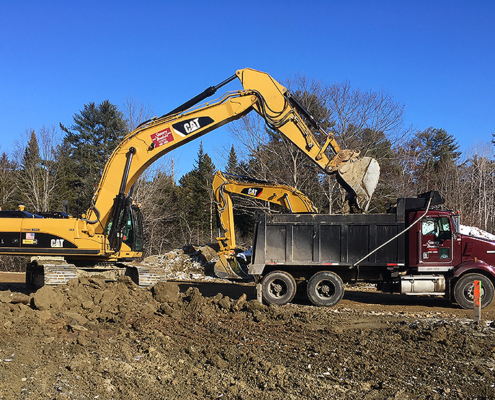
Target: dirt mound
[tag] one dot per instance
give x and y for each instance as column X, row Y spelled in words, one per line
column 94, row 339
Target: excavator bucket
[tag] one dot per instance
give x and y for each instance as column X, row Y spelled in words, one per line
column 362, row 177
column 229, row 268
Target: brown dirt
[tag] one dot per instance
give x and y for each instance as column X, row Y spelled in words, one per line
column 94, row 339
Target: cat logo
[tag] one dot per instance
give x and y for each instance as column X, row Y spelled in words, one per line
column 252, row 191
column 192, row 125
column 57, row 243
column 189, row 126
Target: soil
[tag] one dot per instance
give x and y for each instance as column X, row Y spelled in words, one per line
column 210, row 339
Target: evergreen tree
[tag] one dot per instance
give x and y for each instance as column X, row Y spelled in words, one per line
column 427, row 158
column 96, row 131
column 196, row 206
column 29, row 185
column 232, row 162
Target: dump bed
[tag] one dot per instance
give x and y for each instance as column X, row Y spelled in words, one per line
column 311, row 241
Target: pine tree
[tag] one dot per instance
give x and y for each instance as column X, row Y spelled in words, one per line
column 29, row 185
column 96, row 131
column 196, row 204
column 232, row 162
column 426, row 159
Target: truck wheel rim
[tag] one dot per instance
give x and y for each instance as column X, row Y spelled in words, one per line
column 325, row 289
column 469, row 292
column 278, row 288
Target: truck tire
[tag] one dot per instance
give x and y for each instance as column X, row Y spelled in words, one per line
column 464, row 290
column 278, row 287
column 325, row 289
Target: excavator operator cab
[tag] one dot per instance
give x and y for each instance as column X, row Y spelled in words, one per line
column 130, row 231
column 133, row 230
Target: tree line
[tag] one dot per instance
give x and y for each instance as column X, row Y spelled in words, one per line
column 44, row 172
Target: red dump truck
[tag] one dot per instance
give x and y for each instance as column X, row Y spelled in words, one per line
column 415, row 249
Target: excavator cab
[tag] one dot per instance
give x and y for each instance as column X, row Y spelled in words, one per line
column 133, row 230
column 130, row 229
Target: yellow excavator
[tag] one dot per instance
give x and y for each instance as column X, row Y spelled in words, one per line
column 223, row 185
column 109, row 235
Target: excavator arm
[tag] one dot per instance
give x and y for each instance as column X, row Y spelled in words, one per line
column 223, row 185
column 154, row 138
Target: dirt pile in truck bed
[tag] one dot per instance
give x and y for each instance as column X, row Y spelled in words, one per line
column 93, row 339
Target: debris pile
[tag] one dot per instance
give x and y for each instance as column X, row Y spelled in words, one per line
column 188, row 263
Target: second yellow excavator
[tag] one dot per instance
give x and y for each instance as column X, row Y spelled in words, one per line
column 223, row 185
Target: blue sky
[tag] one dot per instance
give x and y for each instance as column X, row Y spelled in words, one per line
column 436, row 57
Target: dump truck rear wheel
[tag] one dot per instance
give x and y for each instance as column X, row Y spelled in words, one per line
column 325, row 289
column 279, row 287
column 464, row 291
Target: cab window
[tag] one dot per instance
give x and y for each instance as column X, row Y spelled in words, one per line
column 429, row 226
column 439, row 227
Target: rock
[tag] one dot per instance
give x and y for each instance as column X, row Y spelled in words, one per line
column 20, row 298
column 126, row 280
column 239, row 303
column 47, row 297
column 166, row 292
column 209, row 253
column 74, row 316
column 225, row 303
column 196, row 300
column 5, row 296
column 219, row 296
column 255, row 305
column 14, row 298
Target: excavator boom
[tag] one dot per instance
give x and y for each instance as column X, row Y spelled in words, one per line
column 282, row 113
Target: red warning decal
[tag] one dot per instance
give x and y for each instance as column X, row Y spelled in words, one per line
column 162, row 137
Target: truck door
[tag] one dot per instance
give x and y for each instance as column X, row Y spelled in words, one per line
column 436, row 241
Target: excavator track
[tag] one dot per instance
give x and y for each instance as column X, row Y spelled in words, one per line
column 144, row 275
column 56, row 271
column 49, row 273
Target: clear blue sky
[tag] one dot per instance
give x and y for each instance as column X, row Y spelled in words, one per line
column 436, row 57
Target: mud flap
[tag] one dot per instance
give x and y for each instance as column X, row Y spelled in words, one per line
column 361, row 176
column 229, row 268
